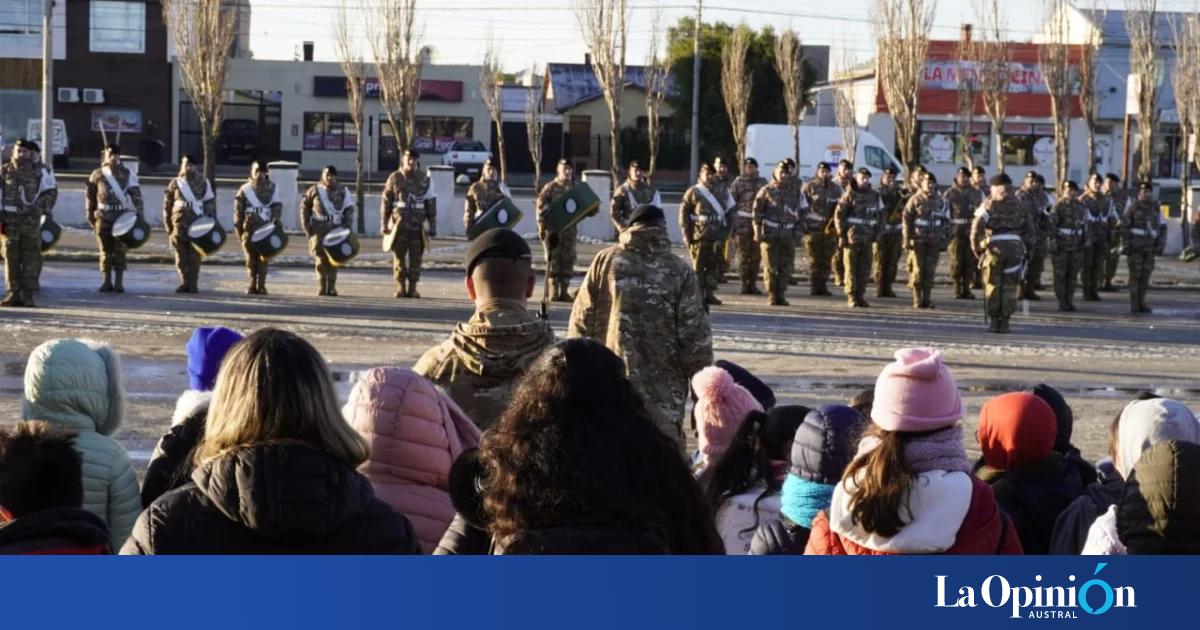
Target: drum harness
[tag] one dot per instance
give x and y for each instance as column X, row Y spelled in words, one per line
column 122, row 194
column 327, row 204
column 256, row 204
column 189, row 196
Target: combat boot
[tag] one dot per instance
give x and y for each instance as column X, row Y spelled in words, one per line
column 710, row 299
column 107, row 286
column 252, row 287
column 916, row 297
column 27, row 299
column 746, row 288
column 12, row 299
column 262, row 282
column 993, row 325
column 1031, row 296
column 119, row 282
column 754, row 290
column 777, row 300
column 412, row 290
column 1004, row 326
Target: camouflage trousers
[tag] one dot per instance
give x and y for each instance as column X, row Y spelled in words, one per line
column 22, row 254
column 326, row 270
column 857, row 257
column 725, row 257
column 1001, row 273
column 1037, row 264
column 1095, row 259
column 962, row 261
column 560, row 264
column 408, row 252
column 112, row 251
column 1111, row 262
column 820, row 248
column 187, row 259
column 887, row 258
column 256, row 266
column 779, row 256
column 1141, row 265
column 750, row 255
column 706, row 263
column 838, row 263
column 1066, row 276
column 922, row 268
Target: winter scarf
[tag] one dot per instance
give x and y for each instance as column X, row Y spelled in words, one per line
column 802, row 499
column 939, row 450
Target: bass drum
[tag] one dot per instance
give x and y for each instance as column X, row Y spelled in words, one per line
column 340, row 246
column 131, row 229
column 267, row 241
column 206, row 235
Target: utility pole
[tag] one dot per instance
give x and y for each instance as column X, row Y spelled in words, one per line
column 695, row 166
column 48, row 83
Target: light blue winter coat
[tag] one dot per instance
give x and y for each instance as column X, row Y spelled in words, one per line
column 76, row 385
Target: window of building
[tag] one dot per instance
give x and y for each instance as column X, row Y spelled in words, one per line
column 944, row 142
column 329, row 132
column 1027, row 144
column 435, row 134
column 118, row 27
column 21, row 17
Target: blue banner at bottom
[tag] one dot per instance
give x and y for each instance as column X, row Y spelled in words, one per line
column 594, row 592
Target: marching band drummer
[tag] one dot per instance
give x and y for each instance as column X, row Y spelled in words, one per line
column 187, row 198
column 560, row 256
column 112, row 190
column 256, row 205
column 325, row 205
column 484, row 193
column 27, row 193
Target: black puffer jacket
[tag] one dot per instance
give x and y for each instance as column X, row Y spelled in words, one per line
column 779, row 538
column 1033, row 495
column 278, row 498
column 171, row 465
column 583, row 539
column 69, row 531
column 1072, row 525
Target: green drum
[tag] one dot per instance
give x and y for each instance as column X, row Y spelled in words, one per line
column 206, row 235
column 575, row 205
column 267, row 241
column 131, row 229
column 51, row 232
column 502, row 214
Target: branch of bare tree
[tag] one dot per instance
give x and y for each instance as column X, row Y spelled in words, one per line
column 901, row 29
column 736, row 83
column 789, row 65
column 395, row 45
column 604, row 26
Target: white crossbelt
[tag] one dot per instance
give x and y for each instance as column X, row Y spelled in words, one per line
column 1013, row 269
column 122, row 194
column 256, row 204
column 327, row 203
column 1003, row 237
column 745, row 215
column 712, row 203
column 189, row 195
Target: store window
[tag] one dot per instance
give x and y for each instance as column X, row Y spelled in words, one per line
column 943, row 142
column 1027, row 144
column 435, row 134
column 329, row 132
column 117, row 27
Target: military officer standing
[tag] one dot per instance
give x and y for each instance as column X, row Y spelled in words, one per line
column 408, row 203
column 484, row 193
column 187, row 198
column 111, row 191
column 744, row 190
column 559, row 247
column 1141, row 229
column 325, row 205
column 255, row 206
column 725, row 179
column 979, row 180
column 703, row 222
column 889, row 246
column 1120, row 199
column 48, row 198
column 23, row 203
column 1102, row 220
column 1068, row 233
column 964, row 199
column 1033, row 196
column 820, row 234
column 858, row 217
column 844, row 178
column 926, row 230
column 637, row 191
column 777, row 220
column 1000, row 231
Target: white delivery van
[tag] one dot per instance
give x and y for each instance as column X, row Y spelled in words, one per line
column 771, row 143
column 61, row 144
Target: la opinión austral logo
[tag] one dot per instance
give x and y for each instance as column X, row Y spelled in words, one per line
column 1039, row 600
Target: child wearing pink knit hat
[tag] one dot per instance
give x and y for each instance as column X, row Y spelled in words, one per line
column 721, row 407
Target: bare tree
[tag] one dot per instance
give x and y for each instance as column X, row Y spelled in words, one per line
column 604, row 25
column 1140, row 18
column 994, row 55
column 736, row 83
column 491, row 80
column 203, row 32
column 844, row 105
column 535, row 126
column 967, row 89
column 658, row 78
column 1089, row 100
column 396, row 48
column 1186, row 44
column 789, row 65
column 901, row 29
column 1055, row 58
column 355, row 71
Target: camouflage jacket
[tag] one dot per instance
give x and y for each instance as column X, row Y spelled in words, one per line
column 1102, row 218
column 102, row 204
column 1068, row 224
column 1038, row 204
column 408, row 203
column 627, row 197
column 1141, row 226
column 1002, row 219
column 480, row 197
column 964, row 201
column 745, row 191
column 248, row 216
column 859, row 216
column 553, row 189
column 29, row 190
column 316, row 218
column 895, row 199
column 485, row 356
column 779, row 212
column 178, row 211
column 644, row 303
column 705, row 216
column 926, row 219
column 822, row 200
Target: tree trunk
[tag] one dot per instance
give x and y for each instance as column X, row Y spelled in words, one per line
column 796, row 144
column 359, row 193
column 1091, row 150
column 209, row 142
column 500, row 150
column 652, row 145
column 1185, row 183
column 998, row 147
column 614, row 132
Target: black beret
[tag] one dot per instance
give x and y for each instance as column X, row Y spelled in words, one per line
column 1001, row 179
column 845, row 162
column 412, row 154
column 751, row 161
column 634, row 164
column 789, row 162
column 496, row 243
column 962, row 170
column 980, row 170
column 864, row 171
column 890, row 171
column 823, row 165
column 647, row 214
column 1072, row 186
column 1031, row 175
column 565, row 162
column 489, row 162
column 1145, row 186
column 25, row 144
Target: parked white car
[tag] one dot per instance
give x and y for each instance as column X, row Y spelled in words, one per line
column 467, row 157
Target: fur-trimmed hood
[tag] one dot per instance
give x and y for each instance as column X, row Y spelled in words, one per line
column 190, row 403
column 75, row 383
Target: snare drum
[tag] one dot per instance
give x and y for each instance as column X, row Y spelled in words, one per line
column 131, row 229
column 340, row 246
column 206, row 235
column 573, row 206
column 267, row 241
column 50, row 232
column 503, row 214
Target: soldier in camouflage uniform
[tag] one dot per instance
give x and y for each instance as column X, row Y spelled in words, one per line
column 1143, row 236
column 485, row 356
column 726, row 179
column 324, row 206
column 636, row 191
column 889, row 246
column 559, row 247
column 858, row 217
column 484, row 193
column 704, row 223
column 255, row 206
column 408, row 203
column 187, row 198
column 1068, row 231
column 644, row 303
column 979, row 180
column 1037, row 204
column 1102, row 221
column 48, row 197
column 963, row 199
column 1120, row 199
column 926, row 230
column 1001, row 229
column 22, row 206
column 744, row 190
column 777, row 220
column 820, row 235
column 111, row 191
column 844, row 178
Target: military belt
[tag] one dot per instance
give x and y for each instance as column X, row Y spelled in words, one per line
column 111, row 206
column 745, row 215
column 776, row 224
column 925, row 223
column 1069, row 232
column 857, row 221
column 1003, row 237
column 961, row 221
column 1140, row 232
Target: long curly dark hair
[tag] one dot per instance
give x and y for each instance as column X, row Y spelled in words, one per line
column 577, row 446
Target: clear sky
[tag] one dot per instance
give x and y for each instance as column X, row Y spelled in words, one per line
column 538, row 31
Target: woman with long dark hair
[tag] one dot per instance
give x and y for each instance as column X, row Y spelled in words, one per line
column 576, row 465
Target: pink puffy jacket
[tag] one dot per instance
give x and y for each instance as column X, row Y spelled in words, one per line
column 415, row 433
